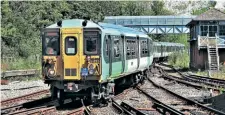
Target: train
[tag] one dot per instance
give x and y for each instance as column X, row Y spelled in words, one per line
column 86, row 59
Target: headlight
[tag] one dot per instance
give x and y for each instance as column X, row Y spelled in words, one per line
column 91, row 69
column 51, row 71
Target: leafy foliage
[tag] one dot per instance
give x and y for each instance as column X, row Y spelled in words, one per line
column 179, row 59
column 22, row 20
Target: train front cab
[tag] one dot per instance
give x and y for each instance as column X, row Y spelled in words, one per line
column 71, row 60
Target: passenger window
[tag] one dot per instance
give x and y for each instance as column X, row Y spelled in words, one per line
column 116, row 48
column 144, row 48
column 107, row 46
column 70, row 45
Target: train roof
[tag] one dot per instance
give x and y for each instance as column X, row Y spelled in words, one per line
column 70, row 23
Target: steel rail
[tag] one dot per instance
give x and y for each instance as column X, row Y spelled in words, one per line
column 159, row 104
column 183, row 81
column 16, row 99
column 188, row 100
column 124, row 108
column 36, row 110
column 44, row 102
column 77, row 111
column 197, row 78
column 188, row 80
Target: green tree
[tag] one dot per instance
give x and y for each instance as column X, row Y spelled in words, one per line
column 158, row 8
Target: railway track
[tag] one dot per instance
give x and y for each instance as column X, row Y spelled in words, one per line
column 172, row 102
column 29, row 106
column 194, row 80
column 24, row 97
column 124, row 108
column 44, row 106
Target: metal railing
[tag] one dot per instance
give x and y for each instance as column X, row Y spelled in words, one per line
column 203, row 41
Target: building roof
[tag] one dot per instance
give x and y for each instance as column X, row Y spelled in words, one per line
column 212, row 14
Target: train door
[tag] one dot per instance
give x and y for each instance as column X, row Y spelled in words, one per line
column 70, row 49
column 116, row 63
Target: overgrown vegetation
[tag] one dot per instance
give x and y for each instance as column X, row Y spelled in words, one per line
column 202, row 10
column 21, row 64
column 180, row 60
column 22, row 20
column 218, row 74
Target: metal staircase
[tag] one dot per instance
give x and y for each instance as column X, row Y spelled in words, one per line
column 213, row 56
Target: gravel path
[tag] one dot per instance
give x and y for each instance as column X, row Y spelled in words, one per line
column 19, row 88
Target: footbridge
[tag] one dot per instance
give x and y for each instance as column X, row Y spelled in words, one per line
column 153, row 24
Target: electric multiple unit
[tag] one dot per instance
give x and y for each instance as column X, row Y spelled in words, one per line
column 86, row 59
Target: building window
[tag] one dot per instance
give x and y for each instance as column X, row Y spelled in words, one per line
column 204, row 30
column 222, row 30
column 208, row 29
column 212, row 31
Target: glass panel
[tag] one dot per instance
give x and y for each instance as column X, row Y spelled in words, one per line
column 144, row 21
column 170, row 21
column 222, row 30
column 116, row 48
column 127, row 21
column 91, row 45
column 91, row 42
column 178, row 21
column 162, row 21
column 106, row 46
column 136, row 21
column 120, row 22
column 212, row 31
column 153, row 21
column 51, row 45
column 204, row 30
column 70, row 45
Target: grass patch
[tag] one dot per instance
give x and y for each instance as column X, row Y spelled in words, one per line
column 218, row 74
column 180, row 60
column 21, row 64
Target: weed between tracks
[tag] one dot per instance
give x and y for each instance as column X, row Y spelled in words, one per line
column 180, row 60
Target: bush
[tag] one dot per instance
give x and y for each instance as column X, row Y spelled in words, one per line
column 179, row 59
column 21, row 64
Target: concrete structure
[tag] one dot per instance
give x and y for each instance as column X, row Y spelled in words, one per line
column 207, row 40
